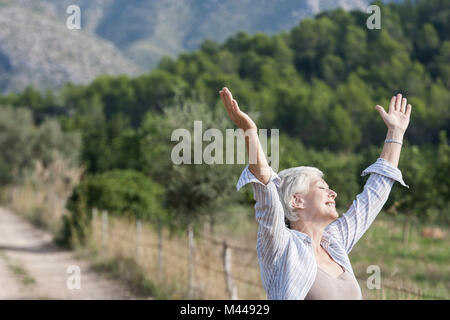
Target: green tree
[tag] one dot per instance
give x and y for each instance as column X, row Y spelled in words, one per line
column 193, row 191
column 96, row 150
column 427, row 43
column 16, row 131
column 22, row 143
column 343, row 133
column 441, row 181
column 121, row 192
column 311, row 41
column 332, row 70
column 153, row 92
column 49, row 137
column 354, row 47
column 443, row 65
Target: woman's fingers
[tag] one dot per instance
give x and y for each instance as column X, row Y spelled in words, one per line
column 222, row 97
column 235, row 105
column 228, row 97
column 408, row 110
column 392, row 104
column 403, row 107
column 381, row 110
column 398, row 102
column 225, row 100
column 231, row 103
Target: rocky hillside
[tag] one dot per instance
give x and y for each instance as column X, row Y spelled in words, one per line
column 147, row 29
column 36, row 48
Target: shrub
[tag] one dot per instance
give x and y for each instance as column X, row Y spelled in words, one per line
column 120, row 192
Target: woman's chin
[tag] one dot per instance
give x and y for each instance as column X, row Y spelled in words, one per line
column 330, row 215
column 334, row 215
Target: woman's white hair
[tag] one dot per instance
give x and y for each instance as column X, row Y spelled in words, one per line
column 295, row 180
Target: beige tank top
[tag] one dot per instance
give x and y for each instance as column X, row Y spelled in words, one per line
column 326, row 287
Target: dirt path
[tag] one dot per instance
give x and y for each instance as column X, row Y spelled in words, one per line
column 32, row 267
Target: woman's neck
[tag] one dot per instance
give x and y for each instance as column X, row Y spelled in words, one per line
column 314, row 230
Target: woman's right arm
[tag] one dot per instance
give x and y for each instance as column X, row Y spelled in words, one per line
column 257, row 160
column 272, row 234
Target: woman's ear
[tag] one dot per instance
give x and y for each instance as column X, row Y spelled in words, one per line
column 298, row 201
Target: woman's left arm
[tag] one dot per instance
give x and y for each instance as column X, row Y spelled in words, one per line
column 397, row 121
column 383, row 173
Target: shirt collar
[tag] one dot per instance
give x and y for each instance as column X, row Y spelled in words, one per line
column 326, row 237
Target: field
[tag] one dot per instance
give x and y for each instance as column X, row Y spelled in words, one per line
column 418, row 269
column 158, row 266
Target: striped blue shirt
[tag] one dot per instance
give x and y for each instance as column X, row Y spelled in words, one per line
column 286, row 258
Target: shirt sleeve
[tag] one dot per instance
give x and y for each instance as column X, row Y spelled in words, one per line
column 354, row 223
column 273, row 235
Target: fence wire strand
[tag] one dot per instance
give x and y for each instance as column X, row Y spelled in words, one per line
column 236, row 263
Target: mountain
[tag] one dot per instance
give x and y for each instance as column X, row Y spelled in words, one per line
column 36, row 48
column 147, row 29
column 119, row 35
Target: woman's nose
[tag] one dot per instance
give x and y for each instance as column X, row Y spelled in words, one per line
column 333, row 194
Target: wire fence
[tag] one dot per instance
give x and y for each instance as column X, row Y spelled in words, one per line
column 200, row 268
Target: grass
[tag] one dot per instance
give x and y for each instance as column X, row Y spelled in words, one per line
column 418, row 270
column 43, row 195
column 420, row 266
column 19, row 271
column 124, row 269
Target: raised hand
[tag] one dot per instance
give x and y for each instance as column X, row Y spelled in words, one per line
column 399, row 113
column 241, row 119
column 258, row 164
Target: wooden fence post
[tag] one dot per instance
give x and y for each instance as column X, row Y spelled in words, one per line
column 94, row 214
column 231, row 287
column 104, row 231
column 138, row 239
column 94, row 222
column 191, row 258
column 160, row 251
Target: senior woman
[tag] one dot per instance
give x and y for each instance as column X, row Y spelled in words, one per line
column 307, row 257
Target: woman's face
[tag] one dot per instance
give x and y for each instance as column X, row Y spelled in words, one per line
column 320, row 201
